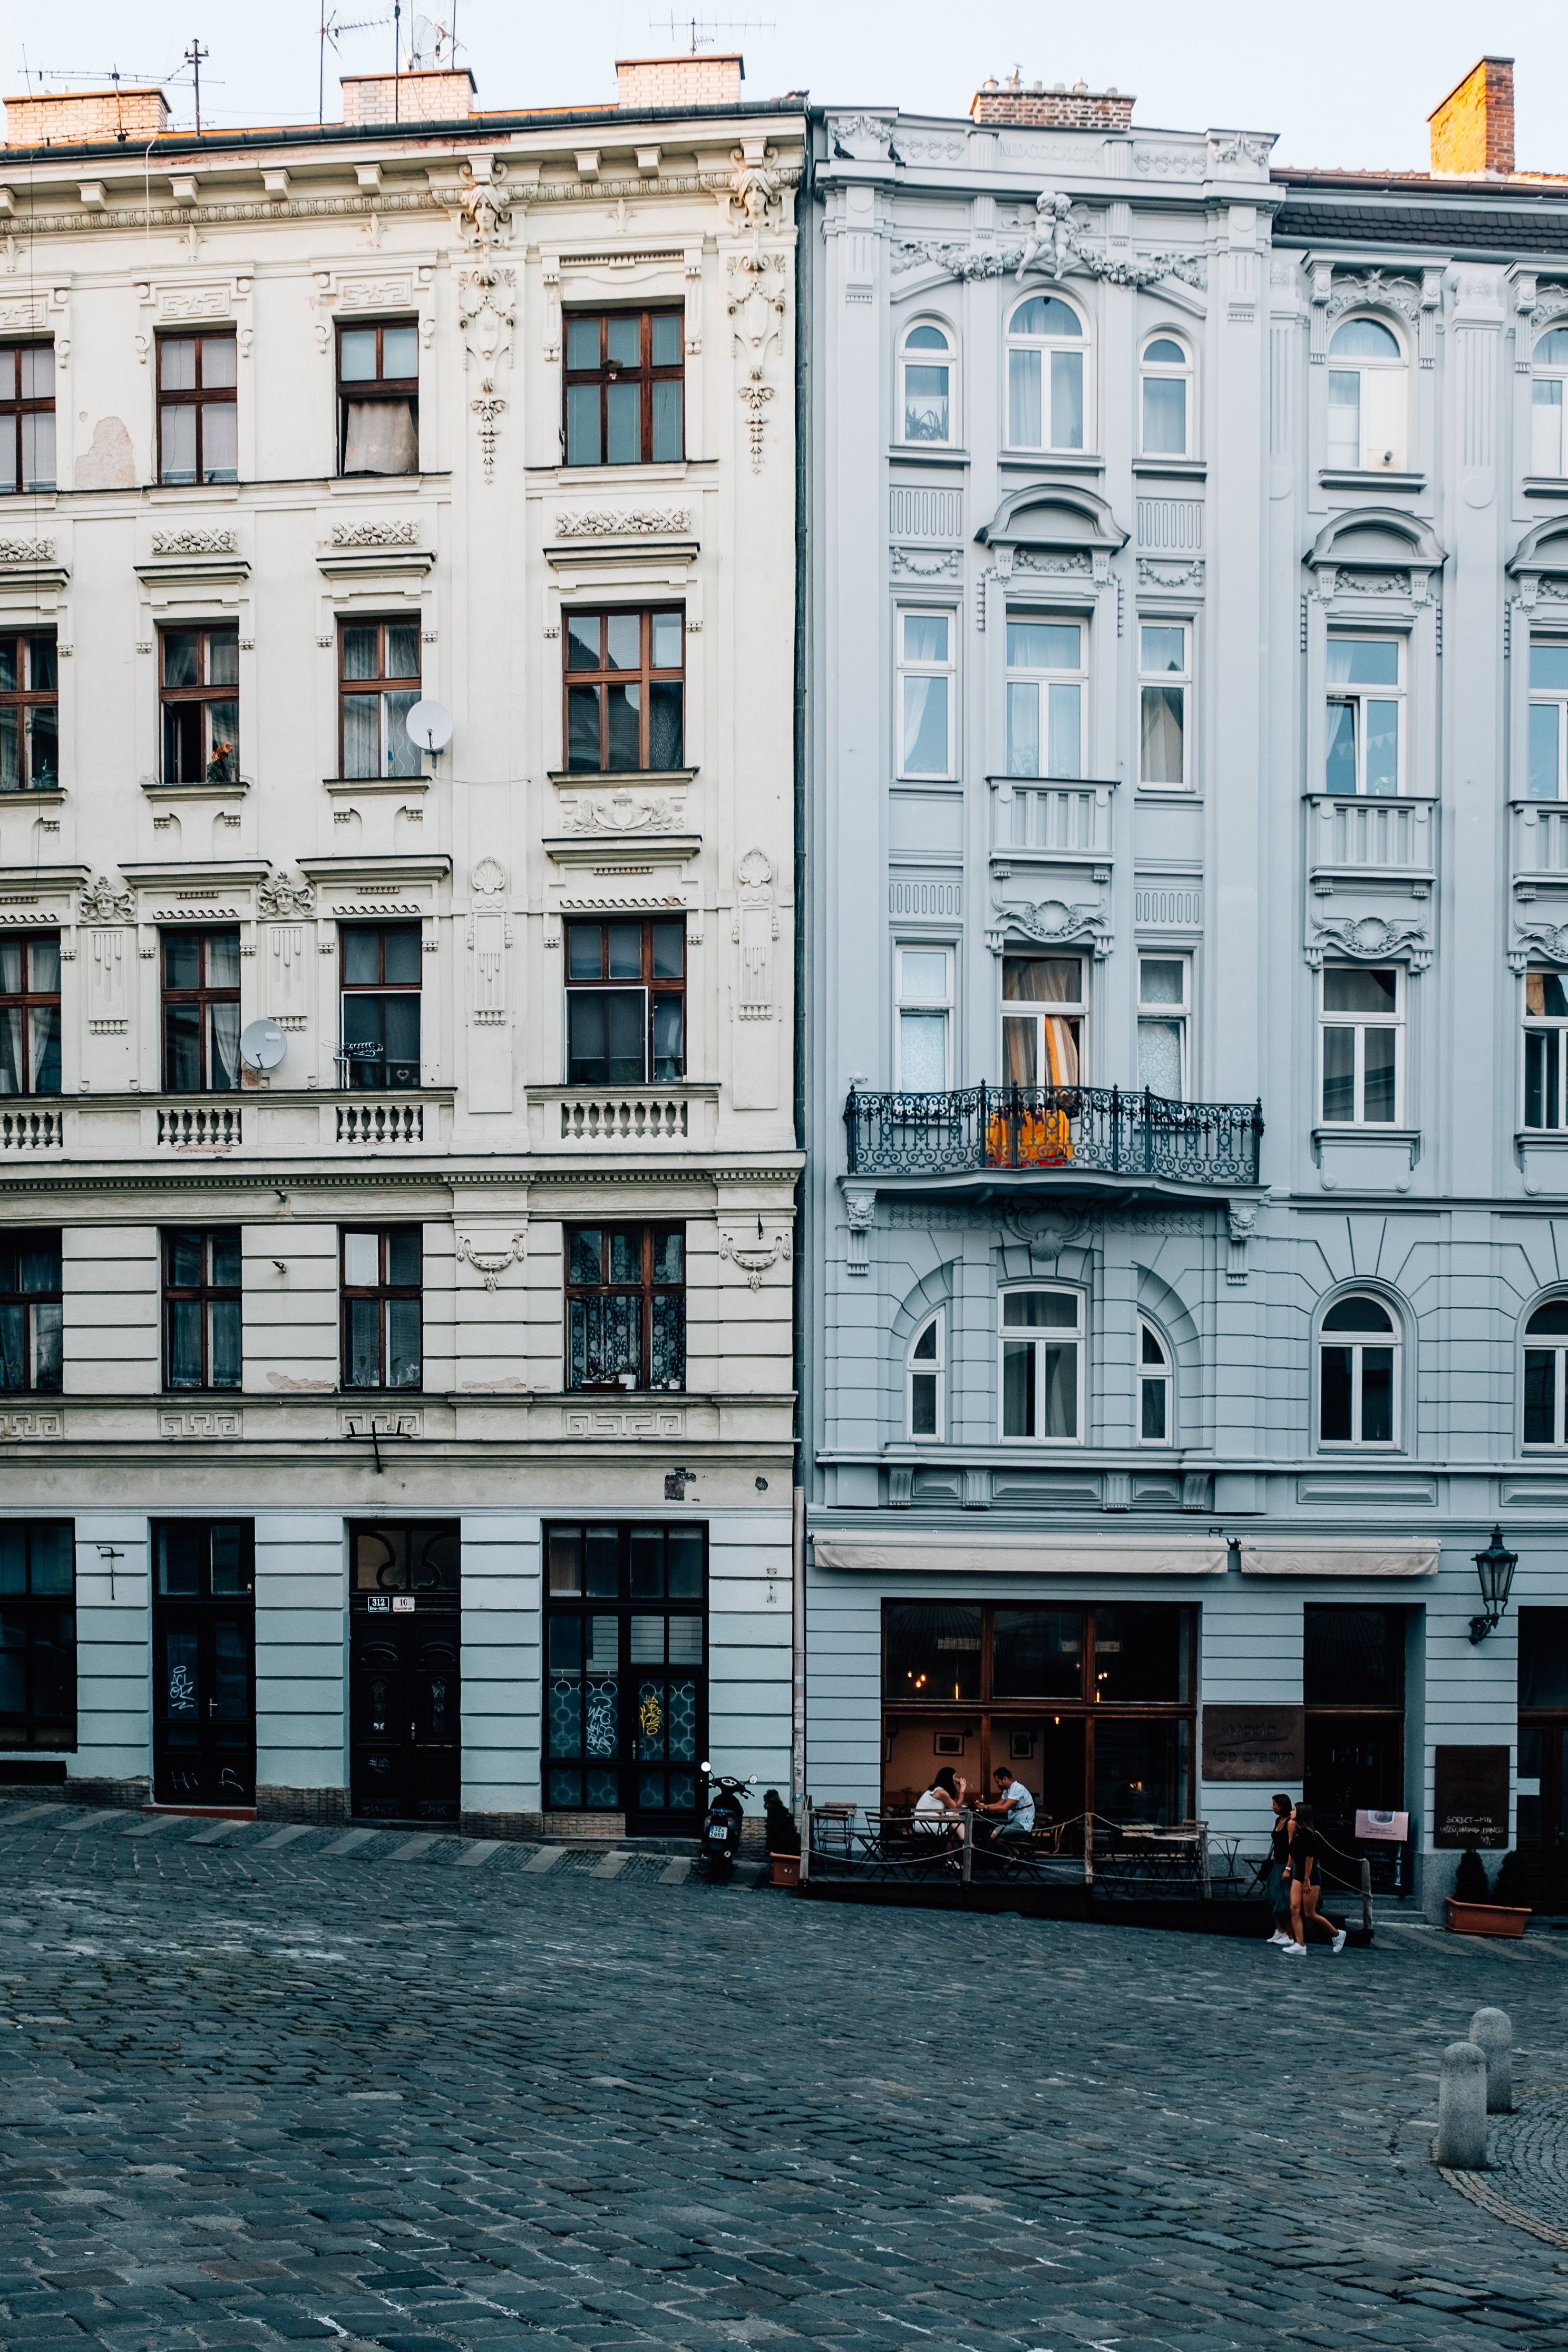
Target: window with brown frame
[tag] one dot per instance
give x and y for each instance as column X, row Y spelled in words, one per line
column 377, row 398
column 26, row 417
column 32, row 1312
column 200, row 693
column 29, row 712
column 38, row 1634
column 378, row 686
column 624, row 388
column 625, row 690
column 625, row 1003
column 198, row 420
column 380, row 1004
column 626, row 1307
column 201, row 1011
column 30, row 1014
column 383, row 1294
column 202, row 1308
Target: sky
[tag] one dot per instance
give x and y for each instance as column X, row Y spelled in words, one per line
column 1353, row 92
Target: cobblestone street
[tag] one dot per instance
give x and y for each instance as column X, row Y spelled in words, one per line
column 417, row 2093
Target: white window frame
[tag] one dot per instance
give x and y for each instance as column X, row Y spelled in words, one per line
column 932, row 1368
column 1167, row 681
column 910, row 668
column 1358, row 698
column 1555, row 700
column 1166, row 372
column 1360, row 1023
column 1545, row 1343
column 1554, row 1028
column 923, row 1005
column 1043, row 681
column 1043, row 1009
column 1383, row 402
column 906, row 359
column 1551, row 376
column 1177, row 1016
column 1358, row 1342
column 1037, row 1339
column 1161, row 1375
column 1047, row 347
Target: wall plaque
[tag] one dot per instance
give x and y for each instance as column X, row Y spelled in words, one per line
column 1261, row 1742
column 1470, row 1802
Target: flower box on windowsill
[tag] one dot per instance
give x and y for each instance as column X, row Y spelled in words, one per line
column 1484, row 1918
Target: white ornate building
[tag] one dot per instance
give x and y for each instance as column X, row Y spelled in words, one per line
column 410, row 1376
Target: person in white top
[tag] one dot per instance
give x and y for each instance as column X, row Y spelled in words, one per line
column 1013, row 1802
column 939, row 1807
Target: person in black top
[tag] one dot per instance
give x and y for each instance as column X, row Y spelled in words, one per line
column 1306, row 1883
column 1279, row 1855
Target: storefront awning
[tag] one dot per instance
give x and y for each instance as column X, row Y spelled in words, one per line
column 1062, row 1556
column 1340, row 1559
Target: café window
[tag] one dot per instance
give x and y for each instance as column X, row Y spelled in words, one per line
column 377, row 398
column 1042, row 1365
column 1043, row 1015
column 1545, row 1365
column 382, row 1306
column 26, row 417
column 626, row 1705
column 625, row 691
column 29, row 712
column 624, row 388
column 202, row 1308
column 1542, row 1780
column 625, row 1003
column 926, row 1378
column 198, row 420
column 378, row 686
column 30, row 1014
column 38, row 1634
column 1353, row 1681
column 200, row 695
column 31, row 1313
column 1157, row 1388
column 380, row 984
column 1545, row 1049
column 1358, row 1374
column 201, row 1011
column 625, row 1307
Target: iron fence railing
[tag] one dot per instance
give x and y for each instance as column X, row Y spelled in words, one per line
column 1097, row 1131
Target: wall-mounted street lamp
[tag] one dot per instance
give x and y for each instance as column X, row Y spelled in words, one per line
column 1495, row 1567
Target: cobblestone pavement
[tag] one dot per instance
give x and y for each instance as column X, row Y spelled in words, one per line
column 269, row 2087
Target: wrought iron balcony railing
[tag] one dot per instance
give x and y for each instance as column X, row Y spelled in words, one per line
column 1083, row 1130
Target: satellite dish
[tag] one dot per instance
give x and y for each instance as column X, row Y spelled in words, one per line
column 262, row 1044
column 429, row 725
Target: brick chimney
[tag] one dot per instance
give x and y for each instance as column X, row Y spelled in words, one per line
column 85, row 116
column 1077, row 109
column 1472, row 130
column 426, row 94
column 679, row 81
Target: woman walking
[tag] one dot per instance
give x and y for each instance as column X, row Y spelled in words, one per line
column 1306, row 1883
column 1279, row 1859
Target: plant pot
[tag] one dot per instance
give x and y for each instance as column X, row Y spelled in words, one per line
column 1484, row 1918
column 786, row 1869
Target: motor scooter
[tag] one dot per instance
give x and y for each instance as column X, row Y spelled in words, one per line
column 721, row 1824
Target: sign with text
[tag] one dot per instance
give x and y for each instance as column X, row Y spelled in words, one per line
column 1471, row 1797
column 1261, row 1742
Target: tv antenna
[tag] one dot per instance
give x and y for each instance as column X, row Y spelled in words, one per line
column 702, row 31
column 332, row 29
column 194, row 57
column 431, row 43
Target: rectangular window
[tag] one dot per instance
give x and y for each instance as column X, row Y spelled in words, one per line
column 927, row 1374
column 1362, row 1022
column 30, row 1014
column 1164, row 685
column 1546, row 427
column 378, row 686
column 29, row 713
column 1364, row 734
column 38, row 1634
column 31, row 1313
column 200, row 695
column 925, row 1008
column 202, row 1309
column 1549, row 718
column 1155, row 1420
column 625, row 1307
column 1041, row 1364
column 625, row 690
column 926, row 696
column 625, row 1682
column 624, row 388
column 26, row 417
column 625, row 1003
column 201, row 1011
column 382, row 1306
column 1046, row 685
column 1344, row 418
column 1043, row 1015
column 198, row 421
column 380, row 981
column 1545, row 1049
column 377, row 398
column 1162, row 983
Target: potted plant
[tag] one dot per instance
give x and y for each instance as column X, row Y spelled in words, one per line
column 783, row 1839
column 1477, row 1908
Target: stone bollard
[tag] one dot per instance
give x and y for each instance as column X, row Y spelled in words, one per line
column 1492, row 2033
column 1461, row 2140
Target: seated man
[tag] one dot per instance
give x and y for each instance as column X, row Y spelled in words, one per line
column 1013, row 1804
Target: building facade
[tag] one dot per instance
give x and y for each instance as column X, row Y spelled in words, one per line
column 1189, row 1202
column 397, row 1161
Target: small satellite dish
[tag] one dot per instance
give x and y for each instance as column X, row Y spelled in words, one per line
column 262, row 1044
column 429, row 725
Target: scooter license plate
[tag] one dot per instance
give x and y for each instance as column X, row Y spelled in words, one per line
column 719, row 1837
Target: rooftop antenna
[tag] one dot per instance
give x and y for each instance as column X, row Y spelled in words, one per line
column 702, row 31
column 397, row 59
column 194, row 57
column 331, row 28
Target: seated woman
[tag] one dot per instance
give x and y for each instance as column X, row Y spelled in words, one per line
column 939, row 1807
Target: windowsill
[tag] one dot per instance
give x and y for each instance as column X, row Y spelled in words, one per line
column 582, row 778
column 45, row 494
column 1362, row 478
column 1367, row 1134
column 614, row 1389
column 1052, row 783
column 200, row 1396
column 366, row 785
column 36, row 796
column 1162, row 795
column 1546, row 485
column 1378, row 799
column 251, row 1098
column 925, row 453
column 657, row 469
column 1061, row 461
column 1532, row 1139
column 1188, row 469
column 155, row 789
column 688, row 1089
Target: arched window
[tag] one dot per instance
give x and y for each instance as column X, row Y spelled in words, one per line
column 1358, row 1361
column 1042, row 1365
column 1168, row 370
column 1550, row 362
column 1367, row 398
column 1046, row 368
column 1546, row 1374
column 1157, row 1421
column 925, row 411
column 926, row 1376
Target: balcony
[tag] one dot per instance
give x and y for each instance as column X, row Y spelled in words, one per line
column 1067, row 823
column 1365, row 839
column 1540, row 845
column 1054, row 1130
column 681, row 1116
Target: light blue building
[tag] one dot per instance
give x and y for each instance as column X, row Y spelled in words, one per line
column 1187, row 865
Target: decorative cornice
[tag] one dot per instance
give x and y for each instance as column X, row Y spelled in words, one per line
column 1371, row 939
column 26, row 550
column 375, row 534
column 1052, row 922
column 1055, row 248
column 607, row 522
column 196, row 542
